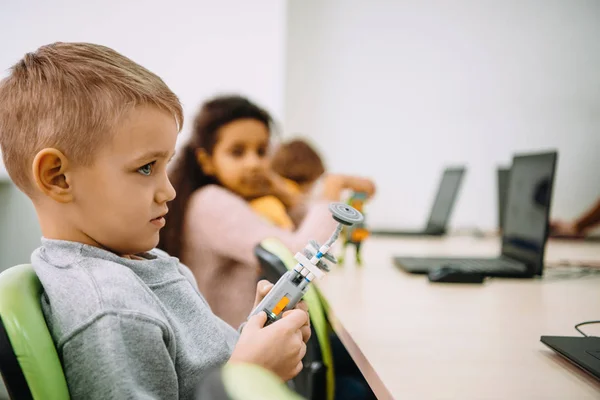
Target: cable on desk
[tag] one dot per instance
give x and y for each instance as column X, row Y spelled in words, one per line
column 471, row 231
column 585, row 323
column 575, row 263
column 558, row 271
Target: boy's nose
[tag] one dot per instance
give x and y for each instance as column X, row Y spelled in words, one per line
column 166, row 193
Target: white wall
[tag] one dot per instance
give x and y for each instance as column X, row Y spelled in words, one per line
column 398, row 89
column 199, row 47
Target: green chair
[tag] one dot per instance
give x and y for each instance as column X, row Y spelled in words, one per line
column 243, row 382
column 29, row 363
column 317, row 381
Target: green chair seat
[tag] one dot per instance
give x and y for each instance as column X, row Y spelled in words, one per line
column 236, row 381
column 27, row 349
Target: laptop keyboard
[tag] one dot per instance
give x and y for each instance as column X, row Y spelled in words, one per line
column 466, row 264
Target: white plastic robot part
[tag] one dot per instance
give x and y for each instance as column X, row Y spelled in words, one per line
column 310, row 276
column 323, row 250
column 301, row 258
column 312, row 248
column 304, row 272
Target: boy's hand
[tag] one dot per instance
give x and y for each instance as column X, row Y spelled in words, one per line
column 304, row 329
column 278, row 347
column 264, row 287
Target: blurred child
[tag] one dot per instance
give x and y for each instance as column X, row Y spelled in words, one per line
column 212, row 227
column 87, row 134
column 580, row 227
column 298, row 166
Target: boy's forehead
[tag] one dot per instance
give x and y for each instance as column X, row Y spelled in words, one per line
column 145, row 130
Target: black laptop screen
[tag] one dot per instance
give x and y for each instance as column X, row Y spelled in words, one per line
column 502, row 175
column 527, row 208
column 445, row 199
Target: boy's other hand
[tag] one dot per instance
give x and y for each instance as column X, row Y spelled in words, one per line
column 278, row 347
column 264, row 287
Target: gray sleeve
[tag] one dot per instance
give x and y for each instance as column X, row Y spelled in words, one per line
column 185, row 271
column 120, row 357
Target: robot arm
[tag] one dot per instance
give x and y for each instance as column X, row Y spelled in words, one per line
column 311, row 265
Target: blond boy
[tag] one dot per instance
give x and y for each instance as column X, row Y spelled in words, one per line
column 87, row 134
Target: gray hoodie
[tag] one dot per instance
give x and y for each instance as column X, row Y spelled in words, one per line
column 126, row 328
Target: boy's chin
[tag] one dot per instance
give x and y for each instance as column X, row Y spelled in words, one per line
column 151, row 243
column 141, row 247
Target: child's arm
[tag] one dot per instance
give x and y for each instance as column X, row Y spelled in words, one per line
column 286, row 191
column 226, row 224
column 580, row 227
column 589, row 219
column 120, row 356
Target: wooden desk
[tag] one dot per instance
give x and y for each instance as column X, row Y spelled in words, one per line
column 418, row 340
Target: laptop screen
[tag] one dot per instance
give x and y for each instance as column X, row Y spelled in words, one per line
column 528, row 207
column 445, row 199
column 502, row 177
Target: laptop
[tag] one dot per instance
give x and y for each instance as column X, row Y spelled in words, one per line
column 442, row 206
column 525, row 225
column 502, row 175
column 584, row 352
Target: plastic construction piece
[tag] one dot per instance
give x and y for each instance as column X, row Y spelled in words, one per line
column 290, row 288
column 358, row 232
column 345, row 214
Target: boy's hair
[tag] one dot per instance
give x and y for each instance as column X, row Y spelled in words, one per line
column 298, row 161
column 71, row 96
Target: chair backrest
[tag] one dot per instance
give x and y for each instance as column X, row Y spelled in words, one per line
column 236, row 381
column 29, row 362
column 275, row 260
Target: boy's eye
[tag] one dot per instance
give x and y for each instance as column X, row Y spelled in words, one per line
column 146, row 169
column 262, row 151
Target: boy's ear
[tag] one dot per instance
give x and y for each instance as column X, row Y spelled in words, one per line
column 51, row 175
column 204, row 160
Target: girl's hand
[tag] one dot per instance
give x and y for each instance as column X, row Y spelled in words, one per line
column 335, row 184
column 281, row 189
